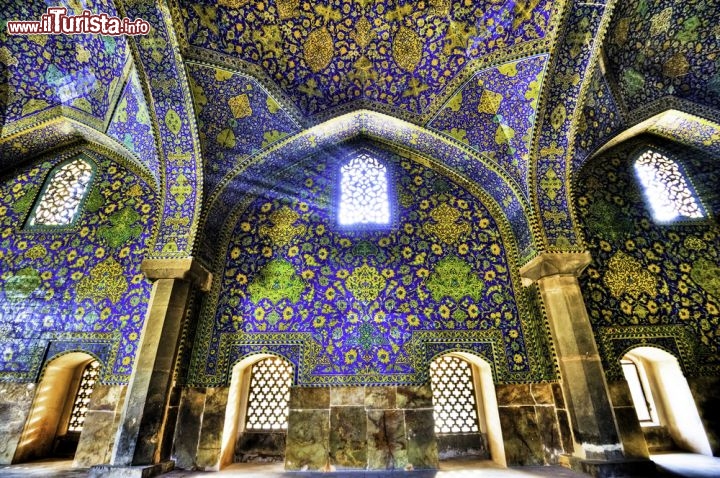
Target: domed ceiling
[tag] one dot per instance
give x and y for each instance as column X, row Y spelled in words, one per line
column 661, row 76
column 662, row 48
column 82, row 73
column 398, row 57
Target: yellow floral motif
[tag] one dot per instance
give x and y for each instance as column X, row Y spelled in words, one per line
column 621, row 31
column 626, row 275
column 660, row 23
column 490, row 102
column 363, row 70
column 558, row 116
column 286, row 8
column 319, row 50
column 676, row 66
column 523, row 11
column 240, row 106
column 105, row 281
column 283, row 229
column 233, row 3
column 363, row 33
column 407, row 49
column 36, row 252
column 440, row 7
column 504, row 134
column 448, row 227
column 181, row 189
column 707, row 275
column 551, row 183
column 365, row 283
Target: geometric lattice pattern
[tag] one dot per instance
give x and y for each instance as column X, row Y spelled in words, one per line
column 82, row 399
column 665, row 187
column 364, row 192
column 269, row 394
column 453, row 395
column 63, row 195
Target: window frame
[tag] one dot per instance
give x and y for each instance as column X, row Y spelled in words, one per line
column 49, row 228
column 361, row 228
column 706, row 217
column 644, row 384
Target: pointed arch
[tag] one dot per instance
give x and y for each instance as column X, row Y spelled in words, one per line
column 457, row 161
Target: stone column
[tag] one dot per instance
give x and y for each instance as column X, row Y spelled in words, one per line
column 144, row 416
column 597, row 446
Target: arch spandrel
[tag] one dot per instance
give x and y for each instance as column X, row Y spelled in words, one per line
column 254, row 173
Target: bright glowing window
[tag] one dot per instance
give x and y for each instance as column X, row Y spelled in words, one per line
column 60, row 201
column 455, row 406
column 668, row 193
column 82, row 398
column 641, row 396
column 364, row 192
column 269, row 395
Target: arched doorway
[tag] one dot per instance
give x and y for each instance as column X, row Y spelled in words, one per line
column 663, row 402
column 58, row 410
column 257, row 410
column 467, row 423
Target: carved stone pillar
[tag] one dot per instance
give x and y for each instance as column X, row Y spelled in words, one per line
column 597, row 446
column 139, row 437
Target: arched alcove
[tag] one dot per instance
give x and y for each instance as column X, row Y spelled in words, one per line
column 663, row 400
column 266, row 442
column 352, row 307
column 467, row 373
column 56, row 416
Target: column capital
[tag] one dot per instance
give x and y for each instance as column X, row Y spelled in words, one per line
column 186, row 268
column 554, row 263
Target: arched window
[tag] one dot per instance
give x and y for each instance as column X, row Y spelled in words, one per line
column 364, row 192
column 456, row 409
column 62, row 195
column 269, row 394
column 666, row 189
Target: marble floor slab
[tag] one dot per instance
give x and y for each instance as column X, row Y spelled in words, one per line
column 671, row 465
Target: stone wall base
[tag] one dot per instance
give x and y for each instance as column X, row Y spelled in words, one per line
column 141, row 471
column 373, row 428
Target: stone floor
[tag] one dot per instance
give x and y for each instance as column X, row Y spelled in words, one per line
column 671, row 465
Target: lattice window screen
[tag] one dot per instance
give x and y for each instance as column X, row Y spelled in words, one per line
column 453, row 395
column 364, row 192
column 62, row 196
column 269, row 395
column 82, row 399
column 669, row 194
